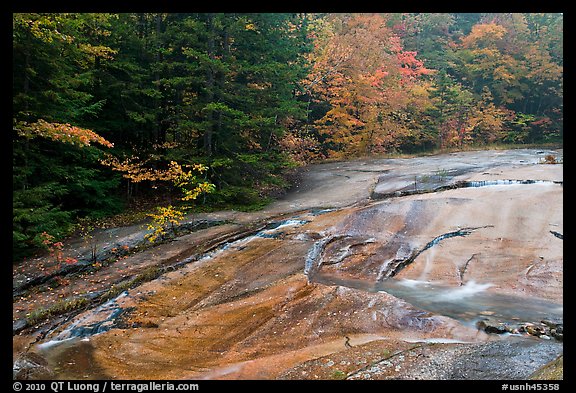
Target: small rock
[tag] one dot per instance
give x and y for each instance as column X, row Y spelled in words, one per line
column 558, row 333
column 559, row 337
column 491, row 327
column 30, row 365
column 18, row 325
column 545, row 337
column 550, row 324
column 533, row 330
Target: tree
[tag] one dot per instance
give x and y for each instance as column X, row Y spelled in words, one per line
column 513, row 55
column 368, row 79
column 58, row 181
column 250, row 95
column 450, row 111
column 428, row 34
column 486, row 121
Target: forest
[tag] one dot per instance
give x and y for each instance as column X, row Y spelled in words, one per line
column 166, row 113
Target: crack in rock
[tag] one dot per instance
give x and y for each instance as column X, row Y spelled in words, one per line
column 404, row 256
column 557, row 234
column 415, row 189
column 400, row 264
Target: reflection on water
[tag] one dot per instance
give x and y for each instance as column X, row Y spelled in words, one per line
column 72, row 359
column 467, row 303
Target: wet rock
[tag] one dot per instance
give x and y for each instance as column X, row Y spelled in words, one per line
column 510, row 359
column 546, row 330
column 19, row 325
column 252, row 296
column 490, row 326
column 514, row 358
column 30, row 365
column 535, row 330
column 553, row 370
column 550, row 324
column 558, row 333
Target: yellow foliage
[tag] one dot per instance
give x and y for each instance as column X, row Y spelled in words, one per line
column 484, row 35
column 169, row 216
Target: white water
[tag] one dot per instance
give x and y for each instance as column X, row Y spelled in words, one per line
column 471, row 288
column 99, row 320
column 469, row 302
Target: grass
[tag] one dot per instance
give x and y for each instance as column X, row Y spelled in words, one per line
column 69, row 305
column 59, row 308
column 337, row 374
column 147, row 275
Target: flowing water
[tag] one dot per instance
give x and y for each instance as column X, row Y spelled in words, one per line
column 434, row 264
column 468, row 303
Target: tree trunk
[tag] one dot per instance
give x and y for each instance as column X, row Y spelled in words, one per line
column 160, row 126
column 208, row 133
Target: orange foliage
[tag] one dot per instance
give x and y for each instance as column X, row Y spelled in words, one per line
column 302, row 149
column 65, row 133
column 484, row 35
column 136, row 171
column 365, row 74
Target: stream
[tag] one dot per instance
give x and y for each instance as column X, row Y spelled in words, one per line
column 449, row 258
column 468, row 303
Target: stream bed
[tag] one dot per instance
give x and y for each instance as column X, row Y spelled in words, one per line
column 329, row 288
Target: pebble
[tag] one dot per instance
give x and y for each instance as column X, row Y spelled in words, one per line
column 546, row 330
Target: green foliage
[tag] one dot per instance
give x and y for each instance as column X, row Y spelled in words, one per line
column 243, row 93
column 34, row 211
column 248, row 181
column 53, row 184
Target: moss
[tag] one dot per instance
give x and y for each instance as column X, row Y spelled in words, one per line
column 58, row 308
column 337, row 374
column 72, row 304
column 553, row 370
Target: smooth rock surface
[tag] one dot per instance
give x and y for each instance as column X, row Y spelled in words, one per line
column 345, row 285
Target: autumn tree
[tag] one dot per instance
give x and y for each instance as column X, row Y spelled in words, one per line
column 370, row 81
column 428, row 34
column 56, row 175
column 486, row 122
column 251, row 95
column 49, row 192
column 514, row 57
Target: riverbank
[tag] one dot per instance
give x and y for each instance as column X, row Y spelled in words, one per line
column 231, row 298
